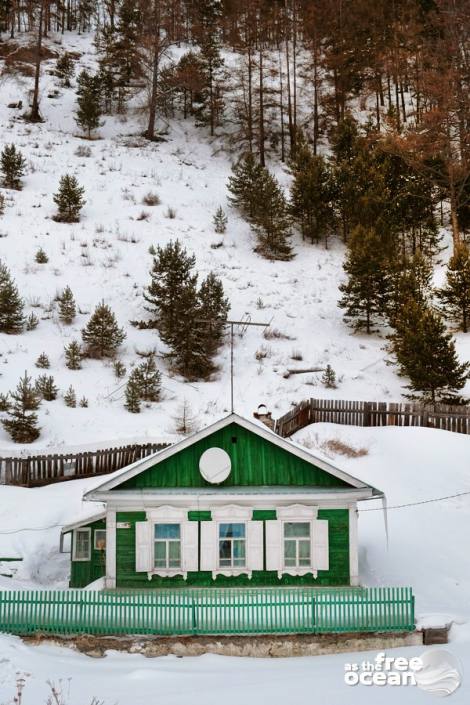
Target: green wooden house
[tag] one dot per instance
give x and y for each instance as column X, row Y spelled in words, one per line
column 232, row 505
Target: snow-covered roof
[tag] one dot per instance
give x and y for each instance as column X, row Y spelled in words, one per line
column 258, row 429
column 84, row 521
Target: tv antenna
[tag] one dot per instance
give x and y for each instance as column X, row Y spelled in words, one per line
column 244, row 324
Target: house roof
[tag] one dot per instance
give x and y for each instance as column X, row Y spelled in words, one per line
column 260, row 430
column 84, row 521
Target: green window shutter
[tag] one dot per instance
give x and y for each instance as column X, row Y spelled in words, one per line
column 199, row 515
column 264, row 514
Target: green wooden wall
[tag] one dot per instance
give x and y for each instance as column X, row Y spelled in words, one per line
column 85, row 572
column 255, row 461
column 338, row 574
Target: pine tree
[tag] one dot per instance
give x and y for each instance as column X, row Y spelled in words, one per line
column 2, row 204
column 11, row 305
column 67, row 306
column 32, row 321
column 65, row 69
column 426, row 354
column 70, row 398
column 150, row 380
column 119, row 369
column 41, row 257
column 73, row 355
column 132, row 393
column 21, row 422
column 12, row 164
column 46, row 388
column 214, row 307
column 365, row 294
column 455, row 295
column 102, row 335
column 244, row 185
column 83, row 403
column 410, row 277
column 311, row 194
column 220, row 221
column 211, row 64
column 5, row 401
column 329, row 378
column 43, row 361
column 69, row 200
column 271, row 222
column 89, row 102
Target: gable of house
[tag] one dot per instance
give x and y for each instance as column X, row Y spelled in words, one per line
column 255, row 461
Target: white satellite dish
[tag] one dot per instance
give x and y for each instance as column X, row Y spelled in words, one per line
column 215, row 465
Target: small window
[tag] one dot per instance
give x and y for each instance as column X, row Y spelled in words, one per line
column 100, row 539
column 297, row 544
column 82, row 545
column 232, row 545
column 167, row 546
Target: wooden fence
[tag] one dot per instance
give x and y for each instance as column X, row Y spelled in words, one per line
column 38, row 470
column 209, row 611
column 367, row 413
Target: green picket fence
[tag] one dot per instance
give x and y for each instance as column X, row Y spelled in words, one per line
column 208, row 611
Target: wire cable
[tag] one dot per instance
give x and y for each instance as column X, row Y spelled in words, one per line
column 415, row 504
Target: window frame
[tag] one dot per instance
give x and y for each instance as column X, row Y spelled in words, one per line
column 83, row 529
column 168, row 568
column 95, row 547
column 231, row 567
column 297, row 567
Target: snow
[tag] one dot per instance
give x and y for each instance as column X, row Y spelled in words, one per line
column 106, row 256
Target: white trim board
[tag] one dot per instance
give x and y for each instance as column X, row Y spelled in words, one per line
column 261, row 431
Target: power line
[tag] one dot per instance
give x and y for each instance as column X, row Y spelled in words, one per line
column 31, row 528
column 415, row 504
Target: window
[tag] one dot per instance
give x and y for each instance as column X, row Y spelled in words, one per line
column 100, row 539
column 82, row 545
column 231, row 545
column 297, row 544
column 167, row 546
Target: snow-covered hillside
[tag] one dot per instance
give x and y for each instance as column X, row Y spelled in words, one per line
column 427, row 550
column 106, row 256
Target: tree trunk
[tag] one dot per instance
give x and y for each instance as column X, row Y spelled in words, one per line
column 262, row 159
column 34, row 115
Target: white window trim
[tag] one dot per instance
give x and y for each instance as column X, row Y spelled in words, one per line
column 232, row 514
column 167, row 514
column 74, row 554
column 95, row 547
column 297, row 513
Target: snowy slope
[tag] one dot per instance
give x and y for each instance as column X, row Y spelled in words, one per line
column 106, row 256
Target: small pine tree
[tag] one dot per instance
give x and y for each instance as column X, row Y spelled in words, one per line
column 426, row 354
column 271, row 222
column 73, row 355
column 11, row 305
column 132, row 393
column 83, row 403
column 89, row 102
column 32, row 321
column 2, row 204
column 12, row 164
column 455, row 295
column 4, row 401
column 46, row 387
column 150, row 380
column 41, row 257
column 69, row 200
column 214, row 308
column 244, row 185
column 43, row 361
column 67, row 306
column 329, row 378
column 119, row 369
column 21, row 422
column 70, row 398
column 65, row 69
column 365, row 294
column 102, row 335
column 220, row 221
